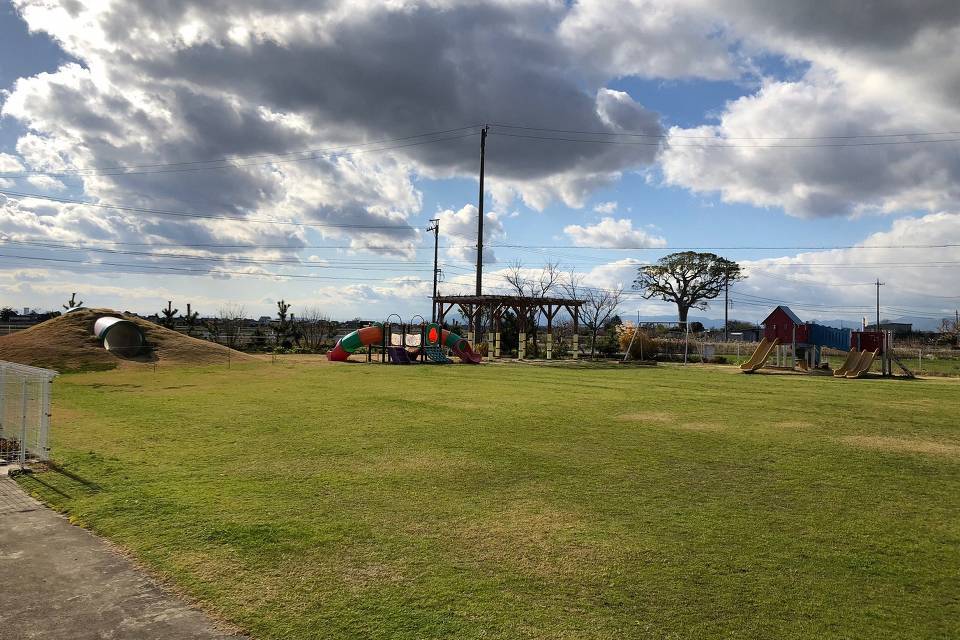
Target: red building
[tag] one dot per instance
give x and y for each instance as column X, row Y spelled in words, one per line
column 784, row 325
column 866, row 340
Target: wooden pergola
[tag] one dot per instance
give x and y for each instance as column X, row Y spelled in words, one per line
column 473, row 307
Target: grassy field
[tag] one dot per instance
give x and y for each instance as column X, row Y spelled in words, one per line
column 510, row 501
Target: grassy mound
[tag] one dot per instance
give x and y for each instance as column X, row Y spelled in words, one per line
column 67, row 343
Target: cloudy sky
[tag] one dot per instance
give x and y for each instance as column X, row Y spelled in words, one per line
column 226, row 152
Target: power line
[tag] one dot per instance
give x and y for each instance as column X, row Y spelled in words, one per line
column 211, row 272
column 364, row 265
column 204, row 216
column 178, row 167
column 205, row 245
column 722, row 146
column 728, row 248
column 664, row 135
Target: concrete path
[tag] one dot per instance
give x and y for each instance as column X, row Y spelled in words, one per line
column 60, row 581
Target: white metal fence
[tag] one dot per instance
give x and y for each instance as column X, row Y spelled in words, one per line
column 24, row 413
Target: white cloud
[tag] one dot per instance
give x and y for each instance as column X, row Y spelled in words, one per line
column 646, row 38
column 892, row 69
column 838, row 283
column 459, row 228
column 606, row 207
column 612, row 233
column 46, row 183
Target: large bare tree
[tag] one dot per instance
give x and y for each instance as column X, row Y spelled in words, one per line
column 599, row 304
column 535, row 285
column 230, row 325
column 315, row 328
column 688, row 279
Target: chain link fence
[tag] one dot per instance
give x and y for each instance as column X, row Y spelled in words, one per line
column 24, row 413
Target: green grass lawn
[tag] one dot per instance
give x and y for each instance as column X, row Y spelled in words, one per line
column 366, row 501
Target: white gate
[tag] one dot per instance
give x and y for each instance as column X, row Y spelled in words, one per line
column 24, row 413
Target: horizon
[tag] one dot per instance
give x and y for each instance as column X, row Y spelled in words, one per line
column 240, row 159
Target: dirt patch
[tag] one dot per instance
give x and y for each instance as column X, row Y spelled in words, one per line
column 904, row 445
column 424, row 462
column 529, row 534
column 647, row 416
column 370, row 575
column 67, row 343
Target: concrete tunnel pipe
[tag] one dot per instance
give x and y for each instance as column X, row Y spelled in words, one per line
column 120, row 336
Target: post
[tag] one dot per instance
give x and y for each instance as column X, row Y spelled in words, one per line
column 576, row 332
column 686, row 342
column 483, row 152
column 435, row 227
column 879, row 284
column 793, row 348
column 636, row 330
column 472, row 329
column 726, row 309
column 42, row 444
column 23, row 424
column 549, row 332
column 3, row 396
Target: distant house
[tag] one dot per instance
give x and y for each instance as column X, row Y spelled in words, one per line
column 898, row 328
column 745, row 335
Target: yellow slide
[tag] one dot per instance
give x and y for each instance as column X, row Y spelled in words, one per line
column 852, row 358
column 863, row 364
column 759, row 356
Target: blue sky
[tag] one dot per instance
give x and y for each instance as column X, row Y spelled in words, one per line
column 690, row 77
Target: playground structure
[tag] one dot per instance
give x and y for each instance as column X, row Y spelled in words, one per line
column 795, row 344
column 118, row 334
column 404, row 343
column 492, row 308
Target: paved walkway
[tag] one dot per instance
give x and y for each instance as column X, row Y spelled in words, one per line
column 60, row 581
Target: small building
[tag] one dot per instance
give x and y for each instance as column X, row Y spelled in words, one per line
column 783, row 324
column 898, row 328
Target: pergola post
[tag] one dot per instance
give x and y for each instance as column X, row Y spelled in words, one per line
column 575, row 313
column 549, row 313
column 471, row 325
column 522, row 331
column 490, row 335
column 496, row 318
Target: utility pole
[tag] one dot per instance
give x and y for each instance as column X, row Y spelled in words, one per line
column 883, row 341
column 483, row 148
column 879, row 284
column 435, row 227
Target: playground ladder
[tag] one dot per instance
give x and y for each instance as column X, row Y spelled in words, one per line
column 436, row 354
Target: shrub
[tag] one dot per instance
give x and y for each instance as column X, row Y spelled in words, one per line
column 641, row 345
column 560, row 349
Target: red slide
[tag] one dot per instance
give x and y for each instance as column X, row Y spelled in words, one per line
column 463, row 351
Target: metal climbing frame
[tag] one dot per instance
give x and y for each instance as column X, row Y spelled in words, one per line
column 24, row 413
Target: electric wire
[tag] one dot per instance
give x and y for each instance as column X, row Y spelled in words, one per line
column 664, row 135
column 723, row 146
column 192, row 165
